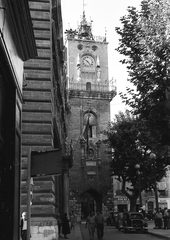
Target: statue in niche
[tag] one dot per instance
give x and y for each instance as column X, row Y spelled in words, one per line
column 78, row 68
column 98, row 74
column 78, row 73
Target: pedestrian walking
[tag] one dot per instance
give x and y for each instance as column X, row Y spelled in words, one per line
column 24, row 226
column 90, row 225
column 165, row 218
column 99, row 221
column 158, row 218
column 155, row 221
column 72, row 220
column 65, row 226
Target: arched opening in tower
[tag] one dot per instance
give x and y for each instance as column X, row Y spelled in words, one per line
column 91, row 201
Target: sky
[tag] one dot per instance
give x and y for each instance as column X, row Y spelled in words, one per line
column 105, row 15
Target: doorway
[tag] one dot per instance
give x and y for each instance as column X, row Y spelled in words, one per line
column 91, row 201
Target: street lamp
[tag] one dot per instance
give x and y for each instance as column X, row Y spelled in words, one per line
column 153, row 157
column 137, row 167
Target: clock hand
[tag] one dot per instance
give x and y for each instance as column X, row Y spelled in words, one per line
column 87, row 61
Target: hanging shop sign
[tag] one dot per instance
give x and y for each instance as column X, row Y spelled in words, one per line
column 46, row 163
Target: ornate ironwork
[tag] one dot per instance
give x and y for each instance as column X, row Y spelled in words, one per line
column 94, row 87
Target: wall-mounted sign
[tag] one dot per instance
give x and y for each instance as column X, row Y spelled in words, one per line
column 90, row 163
column 91, row 173
column 46, row 163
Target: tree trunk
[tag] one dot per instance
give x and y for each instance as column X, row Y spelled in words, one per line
column 132, row 198
column 133, row 204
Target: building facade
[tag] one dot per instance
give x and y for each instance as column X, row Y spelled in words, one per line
column 90, row 93
column 44, row 119
column 17, row 45
column 122, row 203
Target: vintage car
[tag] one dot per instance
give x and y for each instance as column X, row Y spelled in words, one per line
column 134, row 221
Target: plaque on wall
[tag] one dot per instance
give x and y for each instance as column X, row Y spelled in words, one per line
column 91, row 173
column 90, row 163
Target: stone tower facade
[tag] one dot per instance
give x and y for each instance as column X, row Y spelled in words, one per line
column 90, row 93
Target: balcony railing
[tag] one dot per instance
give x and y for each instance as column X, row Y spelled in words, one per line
column 92, row 87
column 72, row 35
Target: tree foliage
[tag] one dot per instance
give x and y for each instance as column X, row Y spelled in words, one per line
column 131, row 143
column 145, row 44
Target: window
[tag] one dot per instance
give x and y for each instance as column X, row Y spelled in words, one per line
column 88, row 86
column 91, row 153
column 91, row 129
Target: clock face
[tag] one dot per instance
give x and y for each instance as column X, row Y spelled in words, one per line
column 88, row 61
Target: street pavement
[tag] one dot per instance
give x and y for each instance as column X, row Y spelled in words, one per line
column 76, row 234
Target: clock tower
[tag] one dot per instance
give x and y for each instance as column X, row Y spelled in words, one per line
column 90, row 93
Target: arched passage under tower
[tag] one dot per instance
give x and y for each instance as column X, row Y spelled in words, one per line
column 91, row 201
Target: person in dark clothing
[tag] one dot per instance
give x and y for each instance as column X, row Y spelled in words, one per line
column 158, row 218
column 99, row 222
column 165, row 218
column 65, row 225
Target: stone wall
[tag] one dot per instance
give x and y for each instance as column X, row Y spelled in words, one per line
column 38, row 116
column 80, row 181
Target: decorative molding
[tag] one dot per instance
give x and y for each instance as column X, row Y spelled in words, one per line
column 20, row 14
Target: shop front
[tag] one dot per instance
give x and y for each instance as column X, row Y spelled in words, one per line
column 122, row 203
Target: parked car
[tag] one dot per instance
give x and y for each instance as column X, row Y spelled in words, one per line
column 134, row 221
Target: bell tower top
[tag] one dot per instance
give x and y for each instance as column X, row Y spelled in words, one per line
column 87, row 63
column 85, row 29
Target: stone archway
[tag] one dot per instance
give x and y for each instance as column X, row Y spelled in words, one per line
column 91, row 201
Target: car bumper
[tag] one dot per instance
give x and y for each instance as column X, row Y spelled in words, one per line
column 137, row 228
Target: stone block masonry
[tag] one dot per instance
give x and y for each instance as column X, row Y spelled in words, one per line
column 79, row 178
column 37, row 123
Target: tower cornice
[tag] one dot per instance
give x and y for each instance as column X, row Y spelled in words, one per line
column 109, row 95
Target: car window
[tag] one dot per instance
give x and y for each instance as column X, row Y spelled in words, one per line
column 136, row 216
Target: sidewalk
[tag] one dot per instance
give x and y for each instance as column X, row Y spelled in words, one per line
column 161, row 233
column 75, row 233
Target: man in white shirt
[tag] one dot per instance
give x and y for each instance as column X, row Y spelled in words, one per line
column 24, row 226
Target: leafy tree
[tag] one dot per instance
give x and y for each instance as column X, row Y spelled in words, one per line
column 145, row 44
column 131, row 143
